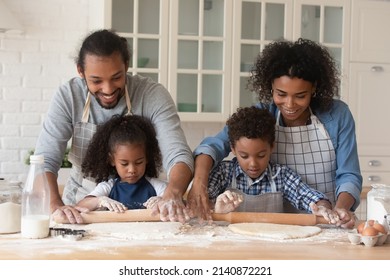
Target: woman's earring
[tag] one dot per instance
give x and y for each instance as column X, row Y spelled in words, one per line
column 314, row 94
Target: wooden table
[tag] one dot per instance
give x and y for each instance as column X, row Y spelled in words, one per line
column 13, row 247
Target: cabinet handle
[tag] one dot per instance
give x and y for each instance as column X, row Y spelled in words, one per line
column 374, row 178
column 374, row 163
column 377, row 69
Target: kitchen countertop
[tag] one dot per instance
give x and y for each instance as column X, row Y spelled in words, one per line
column 143, row 240
column 200, row 243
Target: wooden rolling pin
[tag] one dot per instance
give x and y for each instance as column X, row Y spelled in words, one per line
column 145, row 215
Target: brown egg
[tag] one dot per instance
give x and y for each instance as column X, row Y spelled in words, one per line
column 379, row 227
column 369, row 231
column 360, row 227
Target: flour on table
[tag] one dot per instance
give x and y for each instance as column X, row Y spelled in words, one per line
column 274, row 231
column 136, row 230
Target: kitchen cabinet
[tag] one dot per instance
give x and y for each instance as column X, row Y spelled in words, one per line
column 369, row 95
column 368, row 100
column 203, row 50
column 369, row 38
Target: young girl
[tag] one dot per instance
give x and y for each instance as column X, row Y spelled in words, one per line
column 125, row 159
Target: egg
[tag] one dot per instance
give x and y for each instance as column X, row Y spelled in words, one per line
column 369, row 231
column 379, row 227
column 360, row 227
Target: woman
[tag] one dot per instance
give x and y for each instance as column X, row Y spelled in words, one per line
column 315, row 133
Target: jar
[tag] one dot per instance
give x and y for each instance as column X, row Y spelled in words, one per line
column 378, row 202
column 10, row 206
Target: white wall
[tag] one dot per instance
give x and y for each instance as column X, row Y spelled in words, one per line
column 33, row 65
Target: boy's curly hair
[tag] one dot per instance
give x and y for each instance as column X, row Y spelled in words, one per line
column 252, row 123
column 121, row 130
column 303, row 59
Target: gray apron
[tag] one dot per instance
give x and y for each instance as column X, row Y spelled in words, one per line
column 267, row 202
column 309, row 151
column 77, row 187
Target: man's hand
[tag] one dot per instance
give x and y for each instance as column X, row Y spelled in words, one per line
column 170, row 207
column 70, row 213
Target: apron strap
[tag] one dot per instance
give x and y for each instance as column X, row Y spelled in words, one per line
column 272, row 178
column 87, row 104
column 128, row 103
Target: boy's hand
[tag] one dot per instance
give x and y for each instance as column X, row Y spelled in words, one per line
column 227, row 202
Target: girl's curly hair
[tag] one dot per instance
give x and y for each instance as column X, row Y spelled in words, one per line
column 252, row 123
column 129, row 129
column 303, row 59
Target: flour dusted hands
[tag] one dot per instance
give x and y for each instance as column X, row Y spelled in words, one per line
column 331, row 216
column 110, row 204
column 170, row 207
column 227, row 202
column 151, row 202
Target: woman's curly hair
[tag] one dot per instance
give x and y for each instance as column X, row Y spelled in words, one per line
column 252, row 123
column 303, row 59
column 118, row 130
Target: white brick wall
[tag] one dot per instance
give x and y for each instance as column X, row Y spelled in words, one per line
column 33, row 65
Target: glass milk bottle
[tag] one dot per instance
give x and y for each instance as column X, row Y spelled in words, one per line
column 378, row 202
column 36, row 201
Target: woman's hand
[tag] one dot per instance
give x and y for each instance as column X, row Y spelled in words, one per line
column 347, row 218
column 331, row 216
column 198, row 198
column 198, row 201
column 227, row 202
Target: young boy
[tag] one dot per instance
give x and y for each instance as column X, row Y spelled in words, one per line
column 250, row 182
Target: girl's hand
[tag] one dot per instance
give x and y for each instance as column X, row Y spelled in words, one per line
column 227, row 202
column 110, row 204
column 152, row 201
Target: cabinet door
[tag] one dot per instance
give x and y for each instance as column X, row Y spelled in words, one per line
column 255, row 24
column 326, row 22
column 370, row 41
column 369, row 102
column 375, row 169
column 200, row 58
column 144, row 23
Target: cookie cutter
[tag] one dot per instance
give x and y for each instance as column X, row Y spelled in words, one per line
column 67, row 233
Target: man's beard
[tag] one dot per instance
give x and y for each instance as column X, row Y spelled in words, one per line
column 100, row 98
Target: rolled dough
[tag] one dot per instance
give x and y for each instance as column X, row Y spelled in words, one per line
column 274, row 231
